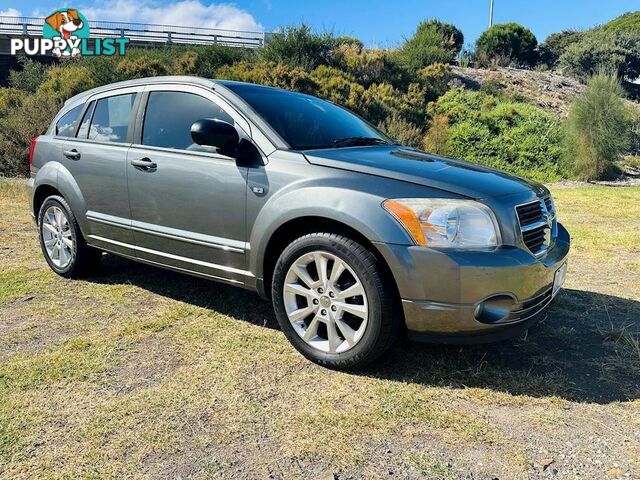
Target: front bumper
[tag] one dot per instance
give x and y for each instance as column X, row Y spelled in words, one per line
column 442, row 290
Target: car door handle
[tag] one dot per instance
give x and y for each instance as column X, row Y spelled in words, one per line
column 72, row 154
column 144, row 163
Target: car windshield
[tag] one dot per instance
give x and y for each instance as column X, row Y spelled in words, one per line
column 306, row 122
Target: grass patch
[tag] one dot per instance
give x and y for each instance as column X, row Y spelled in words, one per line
column 429, row 466
column 142, row 373
column 603, row 221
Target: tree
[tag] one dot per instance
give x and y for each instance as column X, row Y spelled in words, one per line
column 507, row 43
column 299, row 47
column 556, row 44
column 433, row 42
column 597, row 51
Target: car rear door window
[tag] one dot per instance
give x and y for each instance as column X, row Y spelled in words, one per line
column 169, row 116
column 110, row 121
column 66, row 126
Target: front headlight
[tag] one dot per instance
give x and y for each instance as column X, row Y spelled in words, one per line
column 446, row 223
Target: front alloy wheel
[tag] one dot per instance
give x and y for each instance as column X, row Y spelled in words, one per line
column 325, row 302
column 333, row 301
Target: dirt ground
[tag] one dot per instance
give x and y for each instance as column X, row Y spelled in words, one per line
column 137, row 372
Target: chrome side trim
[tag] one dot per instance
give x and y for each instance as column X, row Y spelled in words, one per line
column 143, row 228
column 177, row 269
column 174, row 257
column 194, row 241
column 107, row 219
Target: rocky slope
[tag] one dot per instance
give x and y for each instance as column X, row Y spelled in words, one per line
column 548, row 90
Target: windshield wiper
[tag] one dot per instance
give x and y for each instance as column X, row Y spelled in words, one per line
column 357, row 141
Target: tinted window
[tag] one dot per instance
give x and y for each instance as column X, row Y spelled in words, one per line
column 169, row 116
column 111, row 118
column 66, row 126
column 303, row 121
column 84, row 126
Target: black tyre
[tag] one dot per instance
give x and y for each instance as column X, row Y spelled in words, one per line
column 333, row 301
column 62, row 243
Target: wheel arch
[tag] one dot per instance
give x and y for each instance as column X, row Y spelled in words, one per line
column 54, row 179
column 40, row 193
column 297, row 227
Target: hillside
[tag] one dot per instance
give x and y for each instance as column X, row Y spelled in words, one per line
column 548, row 90
column 625, row 23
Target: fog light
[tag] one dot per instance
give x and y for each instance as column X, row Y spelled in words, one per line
column 494, row 309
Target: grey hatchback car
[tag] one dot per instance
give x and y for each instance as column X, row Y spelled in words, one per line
column 355, row 239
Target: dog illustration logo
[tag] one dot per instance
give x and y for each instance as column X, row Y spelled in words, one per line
column 68, row 25
column 65, row 34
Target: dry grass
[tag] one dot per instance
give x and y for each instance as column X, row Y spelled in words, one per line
column 141, row 373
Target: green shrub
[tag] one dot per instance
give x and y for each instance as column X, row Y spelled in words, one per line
column 64, row 81
column 597, row 51
column 379, row 101
column 367, row 66
column 597, row 130
column 634, row 119
column 492, row 87
column 348, row 40
column 507, row 43
column 435, row 141
column 632, row 162
column 22, row 117
column 459, row 104
column 299, row 47
column 450, row 32
column 103, row 69
column 30, row 76
column 433, row 42
column 212, row 57
column 338, row 87
column 413, row 105
column 140, row 67
column 556, row 44
column 402, row 131
column 270, row 74
column 512, row 136
column 435, row 78
column 186, row 64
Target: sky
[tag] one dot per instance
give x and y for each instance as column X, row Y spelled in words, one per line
column 378, row 23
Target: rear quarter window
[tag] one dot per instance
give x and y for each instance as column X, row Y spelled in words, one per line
column 66, row 126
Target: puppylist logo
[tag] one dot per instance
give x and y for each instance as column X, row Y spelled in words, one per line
column 65, row 34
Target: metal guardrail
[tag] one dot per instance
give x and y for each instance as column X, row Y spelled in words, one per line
column 143, row 33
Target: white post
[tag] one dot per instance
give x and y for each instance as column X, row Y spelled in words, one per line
column 491, row 14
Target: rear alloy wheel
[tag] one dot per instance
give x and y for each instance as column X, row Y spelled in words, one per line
column 63, row 245
column 57, row 237
column 333, row 301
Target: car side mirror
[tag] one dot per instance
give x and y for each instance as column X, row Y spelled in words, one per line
column 216, row 133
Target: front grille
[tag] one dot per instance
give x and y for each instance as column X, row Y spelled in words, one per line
column 534, row 218
column 529, row 213
column 531, row 307
column 534, row 239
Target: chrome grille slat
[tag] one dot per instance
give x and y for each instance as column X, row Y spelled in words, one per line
column 534, row 218
column 531, row 307
column 534, row 302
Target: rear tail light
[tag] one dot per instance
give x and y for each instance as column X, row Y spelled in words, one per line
column 32, row 149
